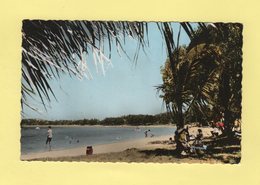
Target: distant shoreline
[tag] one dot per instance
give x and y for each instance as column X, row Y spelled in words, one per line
column 125, row 120
column 124, row 126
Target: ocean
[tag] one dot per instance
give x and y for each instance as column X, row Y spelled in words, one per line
column 33, row 140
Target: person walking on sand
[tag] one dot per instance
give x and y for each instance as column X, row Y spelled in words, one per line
column 49, row 137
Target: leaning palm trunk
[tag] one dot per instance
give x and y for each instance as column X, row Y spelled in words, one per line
column 180, row 123
column 174, row 61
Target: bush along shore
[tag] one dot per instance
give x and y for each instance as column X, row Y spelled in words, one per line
column 133, row 120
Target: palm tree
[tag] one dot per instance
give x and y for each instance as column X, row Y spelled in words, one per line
column 211, row 67
column 50, row 48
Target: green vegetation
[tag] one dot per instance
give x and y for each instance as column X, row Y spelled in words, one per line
column 201, row 81
column 133, row 120
column 204, row 78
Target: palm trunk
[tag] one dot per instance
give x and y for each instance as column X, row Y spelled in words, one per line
column 180, row 123
column 225, row 95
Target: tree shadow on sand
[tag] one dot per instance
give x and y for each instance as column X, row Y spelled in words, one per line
column 222, row 149
column 159, row 152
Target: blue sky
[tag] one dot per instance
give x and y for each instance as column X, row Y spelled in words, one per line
column 126, row 88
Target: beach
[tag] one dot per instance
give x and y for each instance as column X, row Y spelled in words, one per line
column 68, row 137
column 148, row 143
column 98, row 149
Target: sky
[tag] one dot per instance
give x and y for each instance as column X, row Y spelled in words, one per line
column 125, row 88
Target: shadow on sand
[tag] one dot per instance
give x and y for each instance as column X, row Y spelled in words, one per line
column 224, row 149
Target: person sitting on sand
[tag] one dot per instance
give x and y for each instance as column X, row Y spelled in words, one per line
column 181, row 140
column 199, row 136
column 236, row 129
column 220, row 121
column 215, row 132
column 49, row 137
column 186, row 130
column 211, row 123
column 170, row 140
column 221, row 126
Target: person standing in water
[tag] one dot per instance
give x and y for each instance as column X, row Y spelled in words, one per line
column 49, row 137
column 146, row 132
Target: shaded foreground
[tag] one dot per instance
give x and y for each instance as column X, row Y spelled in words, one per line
column 220, row 150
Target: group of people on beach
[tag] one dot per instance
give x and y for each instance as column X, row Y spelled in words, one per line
column 219, row 127
column 187, row 143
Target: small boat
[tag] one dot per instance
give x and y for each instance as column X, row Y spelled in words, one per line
column 37, row 128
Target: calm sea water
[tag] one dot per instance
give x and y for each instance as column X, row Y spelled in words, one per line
column 33, row 140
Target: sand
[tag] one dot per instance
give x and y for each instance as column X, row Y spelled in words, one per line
column 145, row 143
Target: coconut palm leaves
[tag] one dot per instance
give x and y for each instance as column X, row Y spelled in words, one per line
column 177, row 67
column 209, row 72
column 192, row 75
column 50, row 48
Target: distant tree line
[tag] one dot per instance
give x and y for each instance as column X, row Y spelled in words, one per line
column 134, row 120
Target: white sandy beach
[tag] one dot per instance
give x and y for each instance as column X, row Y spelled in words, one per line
column 97, row 149
column 144, row 143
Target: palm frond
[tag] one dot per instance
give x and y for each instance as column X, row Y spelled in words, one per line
column 50, row 48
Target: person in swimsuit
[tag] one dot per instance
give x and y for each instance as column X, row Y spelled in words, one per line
column 49, row 137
